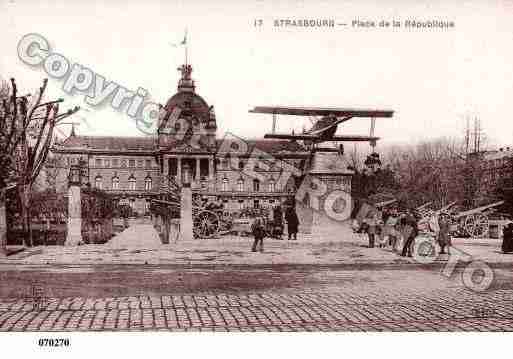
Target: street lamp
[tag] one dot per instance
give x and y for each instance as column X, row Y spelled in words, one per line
column 74, row 177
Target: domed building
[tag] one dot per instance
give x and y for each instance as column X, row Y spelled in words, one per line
column 135, row 169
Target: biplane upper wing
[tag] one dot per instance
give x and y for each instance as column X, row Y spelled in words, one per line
column 322, row 111
column 306, row 136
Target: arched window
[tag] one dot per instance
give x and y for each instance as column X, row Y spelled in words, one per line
column 98, row 182
column 224, row 186
column 148, row 183
column 240, row 185
column 256, row 185
column 115, row 182
column 272, row 185
column 241, row 165
column 131, row 183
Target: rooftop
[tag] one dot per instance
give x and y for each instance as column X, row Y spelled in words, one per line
column 140, row 143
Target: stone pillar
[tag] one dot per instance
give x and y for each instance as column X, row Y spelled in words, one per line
column 186, row 214
column 74, row 235
column 211, row 168
column 178, row 170
column 165, row 233
column 166, row 165
column 3, row 226
column 198, row 172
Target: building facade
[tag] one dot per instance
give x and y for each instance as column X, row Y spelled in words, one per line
column 492, row 174
column 239, row 173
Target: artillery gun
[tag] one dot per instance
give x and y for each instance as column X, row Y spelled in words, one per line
column 475, row 222
column 209, row 219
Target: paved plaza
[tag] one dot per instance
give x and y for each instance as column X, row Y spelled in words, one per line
column 140, row 244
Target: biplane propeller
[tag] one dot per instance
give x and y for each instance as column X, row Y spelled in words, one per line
column 324, row 129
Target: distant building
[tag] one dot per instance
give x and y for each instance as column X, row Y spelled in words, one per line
column 135, row 169
column 493, row 173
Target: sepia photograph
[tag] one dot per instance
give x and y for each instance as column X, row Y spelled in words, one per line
column 175, row 167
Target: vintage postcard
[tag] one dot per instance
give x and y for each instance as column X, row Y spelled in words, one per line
column 255, row 166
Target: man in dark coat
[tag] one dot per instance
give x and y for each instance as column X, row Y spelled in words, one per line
column 258, row 230
column 507, row 238
column 277, row 222
column 411, row 231
column 292, row 222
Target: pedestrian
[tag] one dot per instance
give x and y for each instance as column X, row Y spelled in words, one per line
column 372, row 226
column 444, row 235
column 258, row 230
column 277, row 223
column 390, row 233
column 292, row 223
column 507, row 238
column 410, row 231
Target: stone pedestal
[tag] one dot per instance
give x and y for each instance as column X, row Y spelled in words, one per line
column 3, row 228
column 186, row 224
column 325, row 195
column 74, row 235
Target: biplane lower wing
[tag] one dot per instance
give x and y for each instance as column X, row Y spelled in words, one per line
column 288, row 136
column 354, row 138
column 306, row 136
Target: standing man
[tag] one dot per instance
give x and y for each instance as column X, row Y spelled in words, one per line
column 411, row 231
column 292, row 222
column 507, row 238
column 372, row 226
column 444, row 235
column 258, row 230
column 277, row 224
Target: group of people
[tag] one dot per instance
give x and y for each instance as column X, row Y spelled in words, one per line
column 398, row 231
column 263, row 227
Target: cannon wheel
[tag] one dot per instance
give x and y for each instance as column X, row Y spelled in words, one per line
column 205, row 224
column 481, row 225
column 468, row 225
column 476, row 225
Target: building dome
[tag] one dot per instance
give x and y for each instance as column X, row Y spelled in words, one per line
column 187, row 99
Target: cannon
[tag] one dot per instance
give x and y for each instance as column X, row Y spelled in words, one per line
column 209, row 219
column 475, row 222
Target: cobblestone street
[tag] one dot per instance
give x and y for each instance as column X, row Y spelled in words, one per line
column 393, row 301
column 136, row 283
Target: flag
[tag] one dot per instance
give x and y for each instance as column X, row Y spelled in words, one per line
column 183, row 42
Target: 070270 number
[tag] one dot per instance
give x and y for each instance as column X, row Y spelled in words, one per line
column 58, row 342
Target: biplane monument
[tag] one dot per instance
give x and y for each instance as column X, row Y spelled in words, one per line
column 327, row 170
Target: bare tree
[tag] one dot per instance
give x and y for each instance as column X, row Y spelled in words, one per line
column 437, row 171
column 27, row 126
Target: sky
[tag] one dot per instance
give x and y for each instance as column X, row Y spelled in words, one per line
column 432, row 78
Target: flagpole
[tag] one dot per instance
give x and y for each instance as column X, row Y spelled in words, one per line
column 186, row 47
